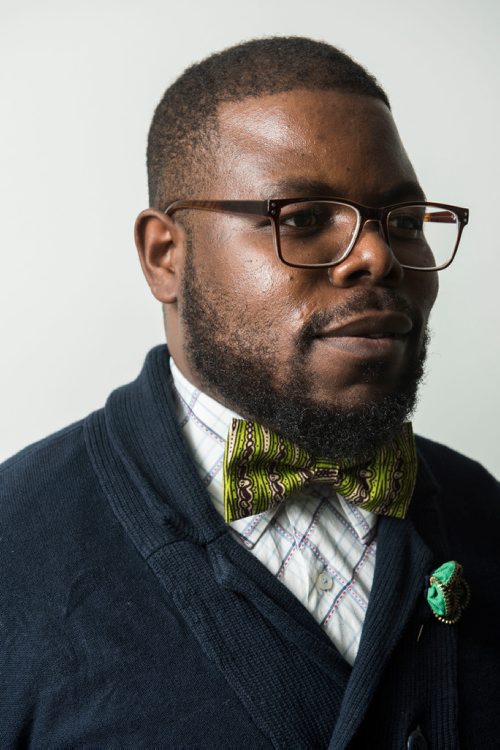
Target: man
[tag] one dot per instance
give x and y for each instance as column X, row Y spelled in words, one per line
column 156, row 592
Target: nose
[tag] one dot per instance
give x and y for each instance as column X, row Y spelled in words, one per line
column 371, row 261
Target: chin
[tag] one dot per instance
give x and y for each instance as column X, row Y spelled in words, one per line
column 373, row 389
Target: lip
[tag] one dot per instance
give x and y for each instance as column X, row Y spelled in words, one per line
column 377, row 336
column 373, row 327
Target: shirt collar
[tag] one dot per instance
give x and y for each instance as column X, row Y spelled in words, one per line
column 205, row 424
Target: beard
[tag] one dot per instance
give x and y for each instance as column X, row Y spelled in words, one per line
column 239, row 369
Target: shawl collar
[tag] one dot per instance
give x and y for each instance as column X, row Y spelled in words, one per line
column 146, row 472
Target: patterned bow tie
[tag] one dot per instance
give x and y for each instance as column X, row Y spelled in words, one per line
column 262, row 469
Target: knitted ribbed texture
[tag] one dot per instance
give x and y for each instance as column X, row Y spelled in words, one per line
column 130, row 617
column 228, row 627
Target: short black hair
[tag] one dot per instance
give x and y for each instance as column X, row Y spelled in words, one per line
column 184, row 124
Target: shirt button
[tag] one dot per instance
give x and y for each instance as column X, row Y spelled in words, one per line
column 325, row 581
column 416, row 741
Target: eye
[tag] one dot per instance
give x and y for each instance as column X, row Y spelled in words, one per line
column 407, row 223
column 306, row 216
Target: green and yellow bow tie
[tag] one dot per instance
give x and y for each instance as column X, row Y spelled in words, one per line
column 262, row 469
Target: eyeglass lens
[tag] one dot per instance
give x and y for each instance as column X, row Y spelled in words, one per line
column 322, row 232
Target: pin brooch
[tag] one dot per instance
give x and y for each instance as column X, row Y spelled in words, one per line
column 448, row 593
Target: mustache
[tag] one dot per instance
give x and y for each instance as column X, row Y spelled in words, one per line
column 362, row 301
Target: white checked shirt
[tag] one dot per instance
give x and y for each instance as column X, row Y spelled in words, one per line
column 318, row 545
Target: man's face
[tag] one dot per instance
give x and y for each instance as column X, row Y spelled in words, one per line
column 328, row 357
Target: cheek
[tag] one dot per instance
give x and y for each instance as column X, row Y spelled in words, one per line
column 282, row 297
column 255, row 277
column 257, row 281
column 266, row 298
column 424, row 292
column 269, row 297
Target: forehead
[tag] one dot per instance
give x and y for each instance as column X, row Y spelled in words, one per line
column 269, row 144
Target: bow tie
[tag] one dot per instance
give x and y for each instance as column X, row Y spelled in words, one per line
column 262, row 469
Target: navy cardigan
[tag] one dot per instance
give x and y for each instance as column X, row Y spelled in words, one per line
column 130, row 617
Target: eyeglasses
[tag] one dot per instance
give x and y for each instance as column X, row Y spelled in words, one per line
column 321, row 232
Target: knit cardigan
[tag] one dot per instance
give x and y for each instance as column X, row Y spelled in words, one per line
column 131, row 618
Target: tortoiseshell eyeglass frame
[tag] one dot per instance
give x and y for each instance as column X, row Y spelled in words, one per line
column 272, row 209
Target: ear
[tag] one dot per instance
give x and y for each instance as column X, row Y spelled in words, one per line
column 161, row 245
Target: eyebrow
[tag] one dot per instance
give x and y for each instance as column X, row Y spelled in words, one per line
column 301, row 188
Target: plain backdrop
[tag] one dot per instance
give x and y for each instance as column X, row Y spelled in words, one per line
column 79, row 83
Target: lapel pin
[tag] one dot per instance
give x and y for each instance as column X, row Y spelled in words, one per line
column 448, row 593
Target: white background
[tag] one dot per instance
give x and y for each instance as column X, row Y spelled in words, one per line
column 79, row 83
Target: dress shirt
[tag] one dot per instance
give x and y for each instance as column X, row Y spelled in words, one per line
column 316, row 543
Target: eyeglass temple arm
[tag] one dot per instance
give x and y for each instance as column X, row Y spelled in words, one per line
column 441, row 217
column 259, row 208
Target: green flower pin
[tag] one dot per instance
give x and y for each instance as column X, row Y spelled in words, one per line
column 448, row 593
